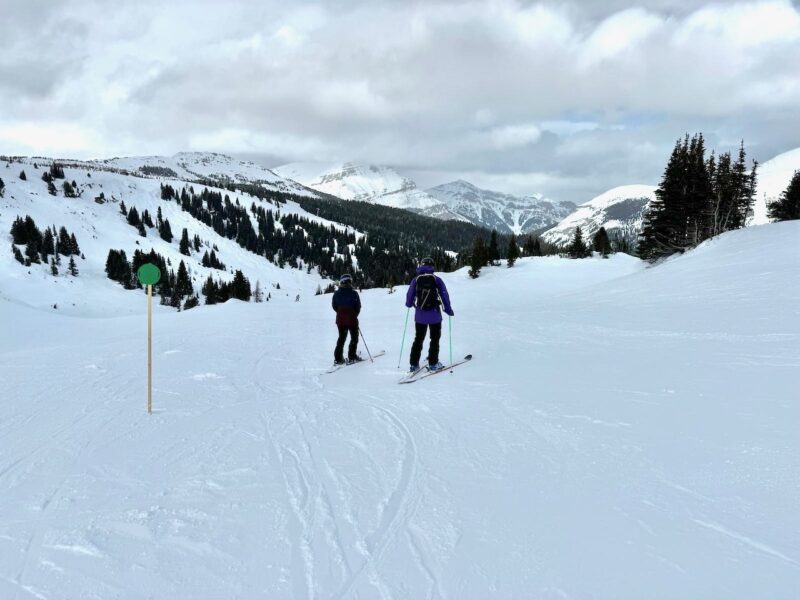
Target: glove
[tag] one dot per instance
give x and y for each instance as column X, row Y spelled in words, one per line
column 450, row 312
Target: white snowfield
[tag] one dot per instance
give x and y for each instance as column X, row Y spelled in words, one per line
column 623, row 432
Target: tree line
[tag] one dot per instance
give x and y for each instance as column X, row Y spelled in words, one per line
column 46, row 246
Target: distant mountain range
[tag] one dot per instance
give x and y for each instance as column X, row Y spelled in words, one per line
column 458, row 200
column 496, row 210
column 193, row 166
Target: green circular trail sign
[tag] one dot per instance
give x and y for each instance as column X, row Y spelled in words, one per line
column 148, row 274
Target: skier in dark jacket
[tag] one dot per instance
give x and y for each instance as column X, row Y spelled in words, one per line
column 347, row 305
column 427, row 293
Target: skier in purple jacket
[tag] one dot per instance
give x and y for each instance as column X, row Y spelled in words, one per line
column 427, row 293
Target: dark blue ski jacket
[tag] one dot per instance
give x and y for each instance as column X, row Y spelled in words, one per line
column 347, row 305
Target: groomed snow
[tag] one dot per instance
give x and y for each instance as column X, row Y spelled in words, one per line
column 622, row 433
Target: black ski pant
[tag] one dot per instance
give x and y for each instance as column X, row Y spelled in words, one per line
column 419, row 339
column 338, row 354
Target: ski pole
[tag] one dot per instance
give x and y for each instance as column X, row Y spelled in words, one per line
column 365, row 345
column 402, row 343
column 450, row 325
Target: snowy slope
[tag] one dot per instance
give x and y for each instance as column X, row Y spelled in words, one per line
column 191, row 166
column 623, row 432
column 619, row 210
column 496, row 210
column 773, row 178
column 100, row 227
column 367, row 183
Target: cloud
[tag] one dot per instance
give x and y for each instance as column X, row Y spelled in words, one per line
column 512, row 136
column 572, row 96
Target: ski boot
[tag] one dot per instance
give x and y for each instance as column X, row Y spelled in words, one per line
column 435, row 367
column 413, row 369
column 353, row 360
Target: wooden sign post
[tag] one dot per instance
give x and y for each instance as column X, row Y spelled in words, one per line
column 149, row 275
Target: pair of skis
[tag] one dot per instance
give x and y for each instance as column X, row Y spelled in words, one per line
column 426, row 372
column 335, row 368
column 412, row 377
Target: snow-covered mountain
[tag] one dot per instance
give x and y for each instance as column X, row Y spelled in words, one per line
column 94, row 217
column 773, row 178
column 191, row 166
column 367, row 183
column 619, row 210
column 496, row 210
column 458, row 200
column 667, row 469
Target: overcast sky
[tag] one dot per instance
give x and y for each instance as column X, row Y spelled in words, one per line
column 564, row 98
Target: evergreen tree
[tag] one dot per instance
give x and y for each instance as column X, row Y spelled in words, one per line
column 787, row 207
column 48, row 244
column 479, row 258
column 56, row 171
column 512, row 254
column 210, row 291
column 147, row 219
column 240, row 287
column 18, row 231
column 494, row 249
column 2, row 187
column 184, row 244
column 72, row 268
column 601, row 243
column 165, row 231
column 51, row 188
column 22, row 176
column 141, row 229
column 183, row 284
column 191, row 302
column 133, row 217
column 53, row 267
column 122, row 208
column 73, row 245
column 258, row 294
column 17, row 254
column 69, row 190
column 577, row 248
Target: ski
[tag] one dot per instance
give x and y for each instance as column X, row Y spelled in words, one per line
column 410, row 376
column 428, row 372
column 335, row 368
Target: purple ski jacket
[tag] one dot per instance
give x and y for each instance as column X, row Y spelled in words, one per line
column 431, row 315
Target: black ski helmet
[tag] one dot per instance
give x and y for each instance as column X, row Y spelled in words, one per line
column 427, row 261
column 345, row 279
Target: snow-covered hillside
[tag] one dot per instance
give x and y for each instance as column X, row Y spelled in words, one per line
column 773, row 178
column 623, row 432
column 496, row 210
column 99, row 226
column 619, row 210
column 367, row 183
column 191, row 166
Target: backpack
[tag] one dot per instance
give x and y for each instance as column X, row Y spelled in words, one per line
column 427, row 292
